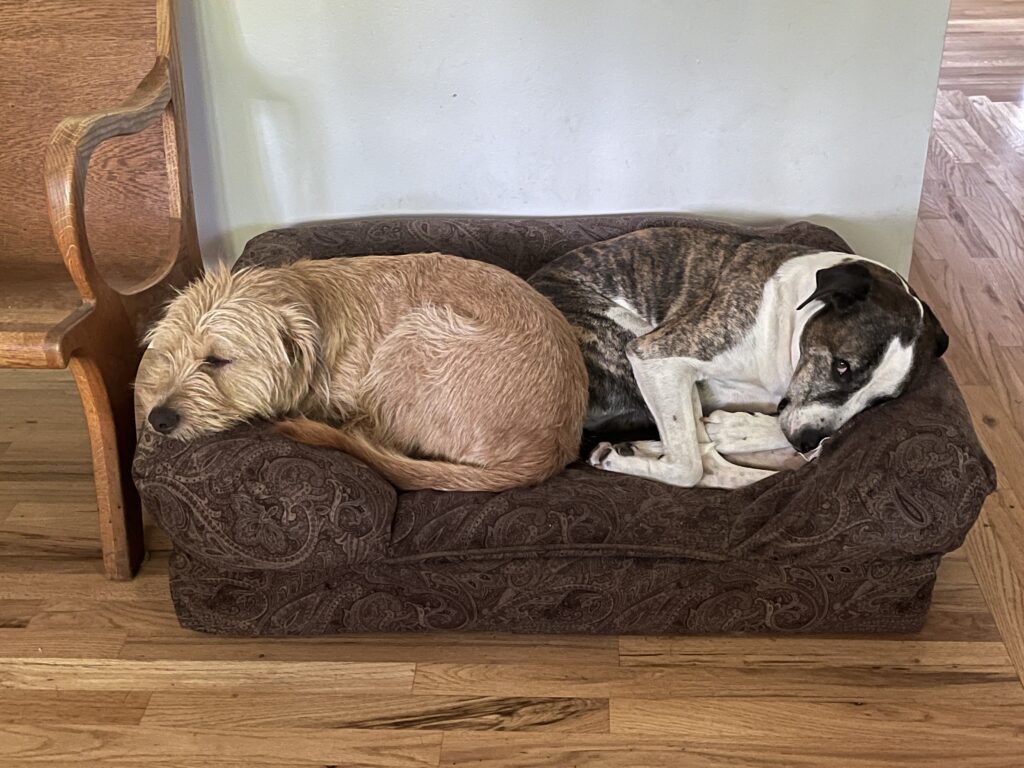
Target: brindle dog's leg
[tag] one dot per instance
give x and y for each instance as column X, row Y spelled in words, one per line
column 738, row 432
column 669, row 389
column 668, row 384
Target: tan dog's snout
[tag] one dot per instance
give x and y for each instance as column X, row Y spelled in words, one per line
column 164, row 419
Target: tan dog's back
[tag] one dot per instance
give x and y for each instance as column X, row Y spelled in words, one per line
column 450, row 373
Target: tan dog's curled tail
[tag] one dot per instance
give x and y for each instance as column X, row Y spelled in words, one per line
column 405, row 472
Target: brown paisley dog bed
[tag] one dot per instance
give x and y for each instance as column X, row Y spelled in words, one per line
column 276, row 538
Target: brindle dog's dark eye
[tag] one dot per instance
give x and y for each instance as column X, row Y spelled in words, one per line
column 840, row 368
column 212, row 361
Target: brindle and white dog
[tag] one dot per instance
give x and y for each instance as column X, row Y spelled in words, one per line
column 677, row 321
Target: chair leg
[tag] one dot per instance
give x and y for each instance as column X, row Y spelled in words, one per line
column 104, row 384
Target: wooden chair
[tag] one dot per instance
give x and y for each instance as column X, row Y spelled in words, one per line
column 65, row 57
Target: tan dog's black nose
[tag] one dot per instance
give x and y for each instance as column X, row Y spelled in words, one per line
column 164, row 419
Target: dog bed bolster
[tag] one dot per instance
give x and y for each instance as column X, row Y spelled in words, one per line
column 251, row 498
column 521, row 246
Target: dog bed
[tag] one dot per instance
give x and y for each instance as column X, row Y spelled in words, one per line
column 272, row 537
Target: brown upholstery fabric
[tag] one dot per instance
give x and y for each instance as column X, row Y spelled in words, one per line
column 273, row 537
column 578, row 595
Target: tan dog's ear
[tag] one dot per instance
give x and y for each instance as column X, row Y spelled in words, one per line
column 300, row 336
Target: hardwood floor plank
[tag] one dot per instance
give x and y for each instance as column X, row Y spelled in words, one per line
column 31, row 578
column 983, row 53
column 805, row 750
column 1005, row 119
column 984, row 290
column 932, row 276
column 16, row 614
column 808, row 652
column 1000, row 440
column 32, row 643
column 51, row 530
column 72, row 707
column 807, row 682
column 341, row 709
column 119, row 675
column 951, row 729
column 115, row 745
column 974, row 626
column 477, row 648
column 996, row 573
column 989, row 224
column 148, row 616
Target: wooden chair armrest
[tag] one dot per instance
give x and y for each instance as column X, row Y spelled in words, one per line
column 67, row 162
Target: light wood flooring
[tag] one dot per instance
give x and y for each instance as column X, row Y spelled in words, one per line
column 98, row 673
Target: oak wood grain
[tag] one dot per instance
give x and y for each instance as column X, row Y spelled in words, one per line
column 334, row 709
column 119, row 745
column 144, row 644
column 995, row 567
column 19, row 707
column 895, row 731
column 26, row 643
column 968, row 265
column 810, row 682
column 90, row 674
column 984, row 52
column 806, row 750
column 809, row 652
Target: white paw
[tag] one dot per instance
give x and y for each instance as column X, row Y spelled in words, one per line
column 738, row 432
column 721, row 473
column 642, row 458
column 614, row 457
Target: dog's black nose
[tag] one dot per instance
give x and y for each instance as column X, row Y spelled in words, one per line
column 164, row 419
column 808, row 439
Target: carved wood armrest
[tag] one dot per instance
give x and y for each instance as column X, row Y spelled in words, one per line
column 67, row 162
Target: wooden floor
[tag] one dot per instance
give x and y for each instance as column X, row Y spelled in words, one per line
column 98, row 673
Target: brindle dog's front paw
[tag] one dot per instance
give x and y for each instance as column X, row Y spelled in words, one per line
column 608, row 456
column 599, row 454
column 739, row 432
column 615, row 458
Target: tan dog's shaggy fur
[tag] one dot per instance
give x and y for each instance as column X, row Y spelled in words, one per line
column 439, row 372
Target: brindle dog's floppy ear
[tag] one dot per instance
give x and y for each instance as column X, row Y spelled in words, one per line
column 941, row 339
column 841, row 286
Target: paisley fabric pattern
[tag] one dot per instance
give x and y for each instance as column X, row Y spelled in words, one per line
column 255, row 499
column 903, row 480
column 617, row 595
column 274, row 537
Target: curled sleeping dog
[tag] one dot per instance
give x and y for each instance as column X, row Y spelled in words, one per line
column 437, row 371
column 782, row 343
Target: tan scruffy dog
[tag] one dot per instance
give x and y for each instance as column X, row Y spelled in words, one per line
column 437, row 371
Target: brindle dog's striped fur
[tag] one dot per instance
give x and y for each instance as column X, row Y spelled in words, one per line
column 709, row 281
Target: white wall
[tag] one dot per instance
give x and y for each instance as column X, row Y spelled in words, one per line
column 751, row 109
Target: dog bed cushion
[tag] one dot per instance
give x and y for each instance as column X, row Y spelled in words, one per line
column 274, row 537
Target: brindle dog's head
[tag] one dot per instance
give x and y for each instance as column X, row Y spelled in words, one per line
column 870, row 340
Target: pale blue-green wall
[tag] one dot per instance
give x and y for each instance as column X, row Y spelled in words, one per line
column 756, row 109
